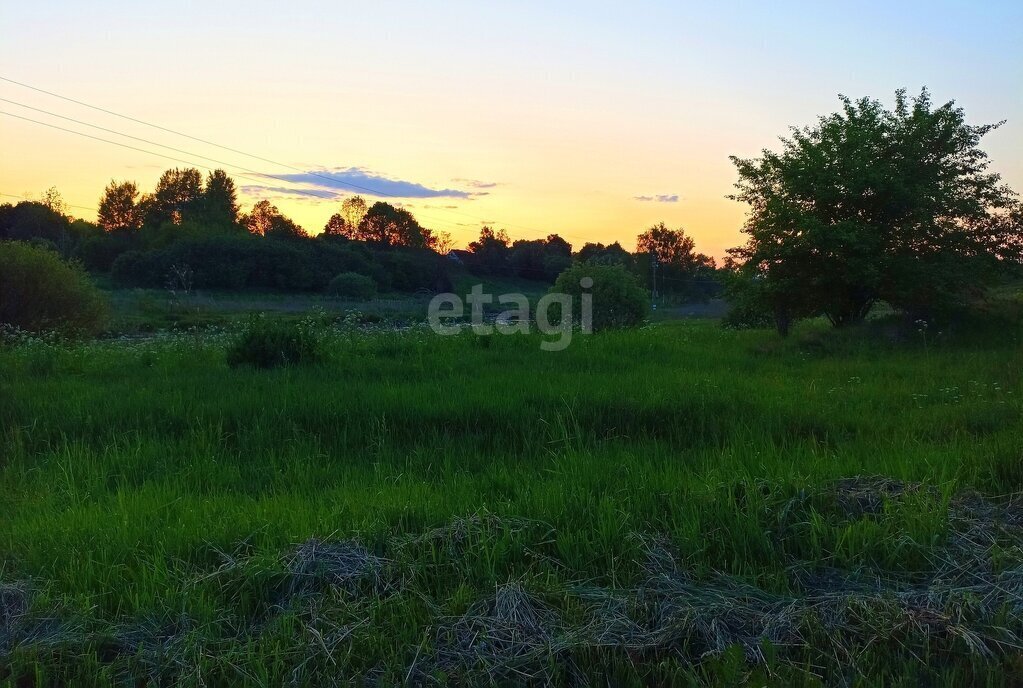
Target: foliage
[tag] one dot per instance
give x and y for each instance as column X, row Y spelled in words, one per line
column 119, row 207
column 748, row 305
column 540, row 259
column 611, row 254
column 41, row 292
column 267, row 221
column 29, row 220
column 218, row 206
column 387, row 225
column 347, row 222
column 178, row 196
column 352, row 285
column 489, row 253
column 618, row 300
column 875, row 205
column 268, row 343
column 682, row 274
column 672, row 247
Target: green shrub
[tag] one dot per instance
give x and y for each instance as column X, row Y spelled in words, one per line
column 266, row 343
column 352, row 285
column 618, row 300
column 39, row 291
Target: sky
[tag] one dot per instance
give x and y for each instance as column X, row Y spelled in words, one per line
column 592, row 120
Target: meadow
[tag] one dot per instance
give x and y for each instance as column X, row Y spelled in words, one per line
column 678, row 503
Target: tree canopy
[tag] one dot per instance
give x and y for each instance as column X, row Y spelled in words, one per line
column 119, row 208
column 871, row 205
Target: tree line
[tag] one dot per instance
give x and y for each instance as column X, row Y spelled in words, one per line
column 190, row 231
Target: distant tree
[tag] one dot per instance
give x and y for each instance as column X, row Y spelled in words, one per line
column 338, row 227
column 53, row 200
column 353, row 210
column 557, row 256
column 119, row 208
column 875, row 205
column 490, row 252
column 525, row 258
column 389, row 225
column 348, row 223
column 266, row 220
column 671, row 246
column 178, row 196
column 30, row 220
column 540, row 259
column 682, row 273
column 443, row 243
column 219, row 203
column 612, row 254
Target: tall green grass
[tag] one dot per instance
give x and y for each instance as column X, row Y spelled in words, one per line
column 147, row 488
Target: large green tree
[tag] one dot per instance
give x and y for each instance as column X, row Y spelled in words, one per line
column 871, row 205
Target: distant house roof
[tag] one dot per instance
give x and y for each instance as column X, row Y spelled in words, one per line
column 459, row 255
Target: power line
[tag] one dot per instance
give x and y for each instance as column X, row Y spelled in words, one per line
column 307, row 192
column 283, row 180
column 333, row 180
column 29, row 198
column 142, row 150
column 376, row 192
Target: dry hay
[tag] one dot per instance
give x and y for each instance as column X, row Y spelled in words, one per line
column 511, row 635
column 14, row 605
column 346, row 565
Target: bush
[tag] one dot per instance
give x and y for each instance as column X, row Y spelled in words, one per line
column 269, row 343
column 618, row 300
column 352, row 285
column 39, row 292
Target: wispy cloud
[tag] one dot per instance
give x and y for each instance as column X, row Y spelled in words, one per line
column 659, row 198
column 474, row 183
column 276, row 193
column 333, row 183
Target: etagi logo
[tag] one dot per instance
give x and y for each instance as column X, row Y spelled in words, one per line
column 448, row 307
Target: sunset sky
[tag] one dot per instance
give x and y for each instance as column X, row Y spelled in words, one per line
column 592, row 120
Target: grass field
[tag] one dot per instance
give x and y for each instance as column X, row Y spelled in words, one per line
column 670, row 505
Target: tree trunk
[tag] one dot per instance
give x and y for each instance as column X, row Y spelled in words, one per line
column 782, row 320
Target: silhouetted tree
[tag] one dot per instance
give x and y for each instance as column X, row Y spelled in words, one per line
column 337, row 227
column 612, row 254
column 872, row 204
column 348, row 223
column 540, row 259
column 266, row 220
column 443, row 243
column 219, row 203
column 682, row 273
column 671, row 246
column 353, row 210
column 119, row 208
column 392, row 226
column 30, row 220
column 53, row 200
column 178, row 196
column 489, row 253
